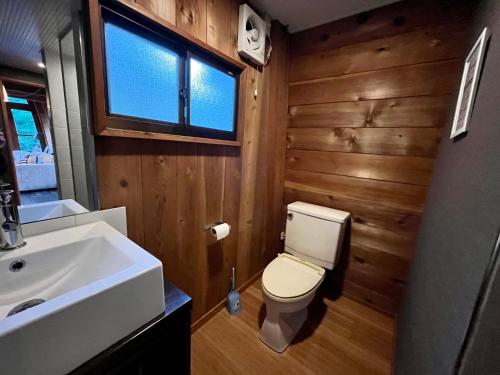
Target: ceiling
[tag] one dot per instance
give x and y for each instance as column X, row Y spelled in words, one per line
column 28, row 26
column 302, row 14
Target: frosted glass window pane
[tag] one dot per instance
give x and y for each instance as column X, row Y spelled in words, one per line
column 212, row 97
column 142, row 76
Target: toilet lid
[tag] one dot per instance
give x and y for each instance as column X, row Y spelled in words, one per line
column 288, row 276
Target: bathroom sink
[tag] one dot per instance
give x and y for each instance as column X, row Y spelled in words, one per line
column 49, row 210
column 69, row 294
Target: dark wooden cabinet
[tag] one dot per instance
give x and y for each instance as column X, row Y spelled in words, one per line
column 160, row 346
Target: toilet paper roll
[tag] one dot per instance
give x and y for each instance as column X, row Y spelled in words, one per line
column 220, row 231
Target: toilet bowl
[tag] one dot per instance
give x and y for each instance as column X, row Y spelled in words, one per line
column 289, row 285
column 290, row 281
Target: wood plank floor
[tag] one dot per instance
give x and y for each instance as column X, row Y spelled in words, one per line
column 341, row 337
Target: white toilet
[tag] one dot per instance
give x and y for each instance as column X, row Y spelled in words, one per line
column 314, row 236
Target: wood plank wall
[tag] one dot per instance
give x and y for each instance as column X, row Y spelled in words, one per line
column 368, row 96
column 173, row 189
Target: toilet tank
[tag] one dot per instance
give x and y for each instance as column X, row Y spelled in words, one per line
column 315, row 233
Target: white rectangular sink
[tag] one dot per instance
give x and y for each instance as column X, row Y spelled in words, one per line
column 29, row 213
column 98, row 287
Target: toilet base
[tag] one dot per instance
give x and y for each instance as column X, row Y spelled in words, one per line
column 279, row 329
column 283, row 320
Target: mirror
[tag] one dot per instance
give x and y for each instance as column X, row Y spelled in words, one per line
column 46, row 144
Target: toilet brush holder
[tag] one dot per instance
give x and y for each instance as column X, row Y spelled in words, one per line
column 233, row 298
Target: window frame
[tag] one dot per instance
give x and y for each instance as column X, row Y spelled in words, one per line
column 158, row 31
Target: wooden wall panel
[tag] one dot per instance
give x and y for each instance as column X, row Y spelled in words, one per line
column 191, row 16
column 162, row 8
column 410, row 170
column 262, row 216
column 230, row 214
column 218, row 27
column 441, row 42
column 378, row 23
column 249, row 178
column 421, row 111
column 173, row 190
column 390, row 194
column 159, row 166
column 120, row 181
column 385, row 241
column 212, row 194
column 368, row 96
column 391, row 141
column 276, row 148
column 387, row 265
column 435, row 78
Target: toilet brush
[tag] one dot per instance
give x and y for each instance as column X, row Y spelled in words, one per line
column 233, row 298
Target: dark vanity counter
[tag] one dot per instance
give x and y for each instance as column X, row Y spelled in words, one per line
column 160, row 345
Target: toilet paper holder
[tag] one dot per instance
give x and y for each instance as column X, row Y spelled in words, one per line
column 216, row 232
column 210, row 226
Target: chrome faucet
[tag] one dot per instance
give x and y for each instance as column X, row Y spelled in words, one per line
column 11, row 236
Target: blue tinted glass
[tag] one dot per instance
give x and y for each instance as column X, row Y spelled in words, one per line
column 142, row 76
column 11, row 99
column 26, row 130
column 212, row 97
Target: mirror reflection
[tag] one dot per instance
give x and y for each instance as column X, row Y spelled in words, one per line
column 47, row 149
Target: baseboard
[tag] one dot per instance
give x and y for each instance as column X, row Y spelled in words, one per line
column 206, row 317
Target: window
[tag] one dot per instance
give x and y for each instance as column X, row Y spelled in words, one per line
column 213, row 96
column 11, row 99
column 24, row 125
column 27, row 133
column 158, row 82
column 142, row 76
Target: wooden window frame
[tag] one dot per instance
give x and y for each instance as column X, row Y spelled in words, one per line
column 107, row 124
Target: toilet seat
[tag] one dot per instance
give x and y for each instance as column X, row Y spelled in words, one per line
column 288, row 278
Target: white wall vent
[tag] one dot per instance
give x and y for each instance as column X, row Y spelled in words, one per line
column 252, row 35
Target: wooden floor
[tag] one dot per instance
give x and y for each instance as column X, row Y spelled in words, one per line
column 341, row 337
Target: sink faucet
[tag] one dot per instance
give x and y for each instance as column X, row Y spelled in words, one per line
column 11, row 236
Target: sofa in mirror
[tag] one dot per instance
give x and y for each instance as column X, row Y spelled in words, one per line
column 46, row 143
